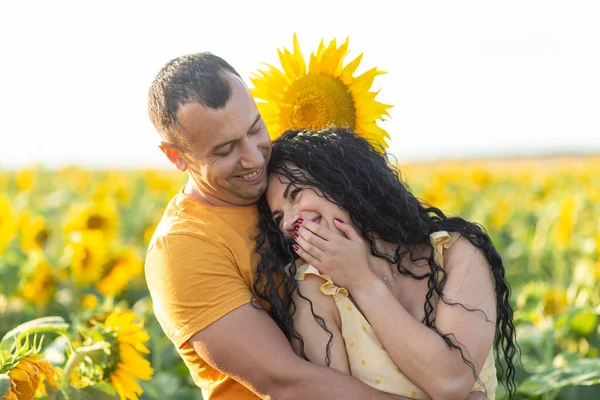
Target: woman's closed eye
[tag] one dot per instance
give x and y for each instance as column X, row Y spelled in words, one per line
column 295, row 192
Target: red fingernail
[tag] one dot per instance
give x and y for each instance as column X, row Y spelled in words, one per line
column 295, row 236
column 296, row 247
column 296, row 228
column 339, row 220
column 300, row 220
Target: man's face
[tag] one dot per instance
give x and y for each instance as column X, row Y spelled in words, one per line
column 229, row 148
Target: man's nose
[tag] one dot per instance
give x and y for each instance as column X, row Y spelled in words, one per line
column 253, row 157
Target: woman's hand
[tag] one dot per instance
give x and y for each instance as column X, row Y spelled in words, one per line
column 343, row 255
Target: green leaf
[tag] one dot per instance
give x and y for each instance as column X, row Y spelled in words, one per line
column 45, row 324
column 162, row 386
column 101, row 391
column 70, row 393
column 4, row 385
column 582, row 372
column 584, row 322
column 64, row 391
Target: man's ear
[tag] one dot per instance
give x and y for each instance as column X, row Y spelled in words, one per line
column 173, row 155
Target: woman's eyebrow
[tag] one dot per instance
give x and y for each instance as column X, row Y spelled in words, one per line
column 286, row 191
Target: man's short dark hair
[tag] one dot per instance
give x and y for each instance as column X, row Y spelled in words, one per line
column 190, row 78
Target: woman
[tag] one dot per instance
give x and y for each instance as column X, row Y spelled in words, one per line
column 378, row 284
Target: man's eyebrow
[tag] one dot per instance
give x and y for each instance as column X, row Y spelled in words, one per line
column 219, row 145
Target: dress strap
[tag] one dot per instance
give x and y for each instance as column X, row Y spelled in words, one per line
column 442, row 240
column 328, row 288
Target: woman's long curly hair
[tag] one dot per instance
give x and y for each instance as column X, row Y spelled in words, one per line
column 350, row 172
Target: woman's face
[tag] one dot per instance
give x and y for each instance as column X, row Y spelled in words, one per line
column 289, row 201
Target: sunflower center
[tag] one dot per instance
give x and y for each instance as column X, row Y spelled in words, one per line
column 96, row 222
column 42, row 238
column 316, row 102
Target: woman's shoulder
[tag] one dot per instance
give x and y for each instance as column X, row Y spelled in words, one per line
column 462, row 253
column 316, row 291
column 308, row 275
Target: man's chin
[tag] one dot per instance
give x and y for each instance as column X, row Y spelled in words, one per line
column 252, row 196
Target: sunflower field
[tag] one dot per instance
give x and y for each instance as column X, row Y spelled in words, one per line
column 76, row 319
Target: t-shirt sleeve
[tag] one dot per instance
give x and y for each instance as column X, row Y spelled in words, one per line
column 193, row 282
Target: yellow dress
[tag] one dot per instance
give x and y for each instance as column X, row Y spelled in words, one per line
column 367, row 357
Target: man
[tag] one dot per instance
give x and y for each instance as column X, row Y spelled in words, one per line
column 201, row 262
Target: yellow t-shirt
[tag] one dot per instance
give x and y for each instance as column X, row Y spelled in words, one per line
column 201, row 265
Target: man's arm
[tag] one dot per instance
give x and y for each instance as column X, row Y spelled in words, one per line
column 247, row 345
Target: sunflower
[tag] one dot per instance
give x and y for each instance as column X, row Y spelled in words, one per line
column 101, row 216
column 122, row 267
column 8, row 223
column 34, row 234
column 130, row 339
column 85, row 252
column 326, row 94
column 26, row 378
column 41, row 283
column 25, row 179
column 26, row 371
column 554, row 302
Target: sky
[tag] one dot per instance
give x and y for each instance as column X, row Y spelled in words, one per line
column 466, row 78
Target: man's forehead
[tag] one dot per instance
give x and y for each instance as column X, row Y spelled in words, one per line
column 208, row 127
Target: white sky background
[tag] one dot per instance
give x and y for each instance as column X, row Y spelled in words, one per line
column 466, row 78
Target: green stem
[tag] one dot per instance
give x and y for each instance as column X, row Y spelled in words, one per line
column 80, row 353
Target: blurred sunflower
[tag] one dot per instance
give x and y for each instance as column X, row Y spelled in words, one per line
column 554, row 302
column 85, row 253
column 98, row 216
column 8, row 223
column 4, row 178
column 122, row 267
column 25, row 179
column 34, row 234
column 325, row 95
column 89, row 302
column 40, row 285
column 567, row 219
column 130, row 339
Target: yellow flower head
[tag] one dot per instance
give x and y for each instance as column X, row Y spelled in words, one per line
column 327, row 94
column 25, row 179
column 98, row 216
column 555, row 302
column 34, row 234
column 26, row 371
column 131, row 366
column 89, row 302
column 26, row 378
column 8, row 223
column 41, row 282
column 86, row 255
column 122, row 267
